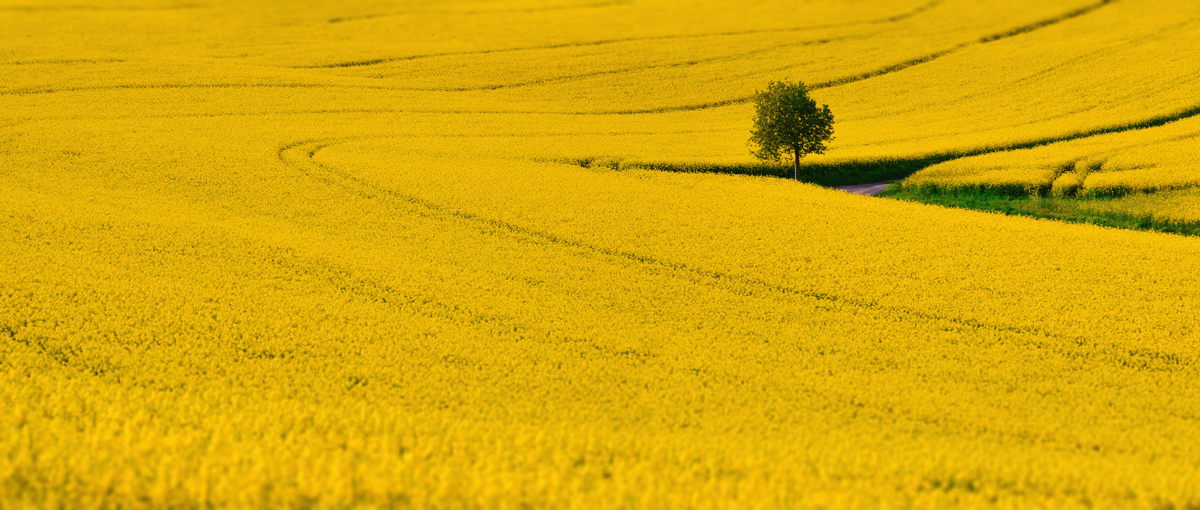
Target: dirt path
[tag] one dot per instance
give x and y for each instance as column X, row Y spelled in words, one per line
column 865, row 189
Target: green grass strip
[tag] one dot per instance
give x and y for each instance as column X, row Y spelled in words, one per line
column 1053, row 208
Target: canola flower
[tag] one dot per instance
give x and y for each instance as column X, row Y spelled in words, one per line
column 1180, row 207
column 230, row 276
column 1147, row 160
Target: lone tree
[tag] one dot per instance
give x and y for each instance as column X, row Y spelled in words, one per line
column 788, row 121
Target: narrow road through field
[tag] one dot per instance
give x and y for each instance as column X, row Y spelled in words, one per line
column 865, row 189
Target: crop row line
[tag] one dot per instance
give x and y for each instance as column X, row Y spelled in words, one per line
column 299, row 155
column 888, row 69
column 892, row 68
column 377, row 61
column 592, row 5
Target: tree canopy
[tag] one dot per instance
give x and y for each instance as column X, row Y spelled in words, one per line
column 789, row 122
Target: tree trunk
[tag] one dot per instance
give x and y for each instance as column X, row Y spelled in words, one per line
column 796, row 167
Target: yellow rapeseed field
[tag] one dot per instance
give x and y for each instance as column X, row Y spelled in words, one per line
column 371, row 254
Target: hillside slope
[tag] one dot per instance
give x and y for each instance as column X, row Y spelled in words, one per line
column 369, row 254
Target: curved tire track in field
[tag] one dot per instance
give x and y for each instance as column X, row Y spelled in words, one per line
column 377, row 61
column 93, row 8
column 574, row 7
column 406, row 300
column 299, row 156
column 900, row 66
column 72, row 61
column 888, row 69
column 178, row 86
column 633, row 69
column 892, row 68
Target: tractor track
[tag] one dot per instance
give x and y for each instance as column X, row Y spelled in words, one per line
column 300, row 156
column 740, row 100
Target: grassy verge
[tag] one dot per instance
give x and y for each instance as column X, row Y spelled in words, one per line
column 1061, row 209
column 824, row 174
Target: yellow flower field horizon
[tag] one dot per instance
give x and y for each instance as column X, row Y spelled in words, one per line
column 343, row 254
